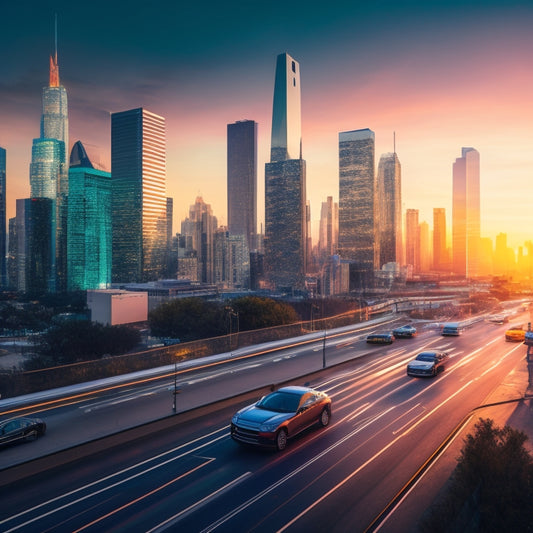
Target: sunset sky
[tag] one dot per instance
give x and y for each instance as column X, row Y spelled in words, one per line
column 441, row 74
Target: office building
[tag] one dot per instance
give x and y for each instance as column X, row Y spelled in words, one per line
column 412, row 240
column 357, row 206
column 89, row 224
column 285, row 240
column 242, row 180
column 3, row 267
column 328, row 228
column 389, row 209
column 49, row 169
column 139, row 201
column 425, row 248
column 231, row 260
column 198, row 230
column 466, row 214
column 440, row 254
column 34, row 232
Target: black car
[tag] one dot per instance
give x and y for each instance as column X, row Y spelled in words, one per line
column 380, row 338
column 427, row 363
column 16, row 430
column 281, row 415
column 406, row 331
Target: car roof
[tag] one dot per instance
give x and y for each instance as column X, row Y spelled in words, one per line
column 295, row 389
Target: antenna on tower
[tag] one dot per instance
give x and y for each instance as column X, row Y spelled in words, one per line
column 55, row 35
column 394, row 141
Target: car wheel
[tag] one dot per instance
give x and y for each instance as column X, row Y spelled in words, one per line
column 324, row 417
column 281, row 440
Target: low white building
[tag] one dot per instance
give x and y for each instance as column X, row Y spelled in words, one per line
column 114, row 306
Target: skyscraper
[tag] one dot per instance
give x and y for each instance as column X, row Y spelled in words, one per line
column 199, row 228
column 440, row 256
column 412, row 239
column 466, row 214
column 49, row 170
column 89, row 224
column 3, row 271
column 285, row 188
column 329, row 228
column 138, row 176
column 357, row 188
column 389, row 209
column 35, row 233
column 242, row 180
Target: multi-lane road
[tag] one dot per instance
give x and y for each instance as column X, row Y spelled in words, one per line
column 193, row 477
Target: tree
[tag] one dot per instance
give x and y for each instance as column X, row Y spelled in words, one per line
column 492, row 485
column 81, row 340
column 256, row 313
column 187, row 319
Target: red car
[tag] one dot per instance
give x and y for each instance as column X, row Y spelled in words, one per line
column 281, row 415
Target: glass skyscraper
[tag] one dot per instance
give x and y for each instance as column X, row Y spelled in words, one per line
column 89, row 224
column 49, row 171
column 242, row 180
column 3, row 272
column 34, row 231
column 357, row 188
column 412, row 240
column 440, row 257
column 285, row 189
column 139, row 201
column 466, row 214
column 389, row 212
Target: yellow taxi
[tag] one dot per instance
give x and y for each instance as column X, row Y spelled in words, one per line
column 515, row 334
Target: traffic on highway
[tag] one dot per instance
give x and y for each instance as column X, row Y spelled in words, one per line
column 191, row 475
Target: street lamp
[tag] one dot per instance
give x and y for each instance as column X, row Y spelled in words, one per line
column 232, row 313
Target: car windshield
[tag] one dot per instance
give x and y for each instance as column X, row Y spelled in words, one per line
column 280, row 402
column 429, row 357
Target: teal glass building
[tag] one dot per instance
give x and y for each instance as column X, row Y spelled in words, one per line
column 88, row 223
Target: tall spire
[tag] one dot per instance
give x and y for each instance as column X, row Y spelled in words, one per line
column 54, row 67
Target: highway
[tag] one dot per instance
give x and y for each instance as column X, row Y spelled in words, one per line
column 193, row 477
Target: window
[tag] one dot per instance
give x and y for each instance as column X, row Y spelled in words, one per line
column 293, row 66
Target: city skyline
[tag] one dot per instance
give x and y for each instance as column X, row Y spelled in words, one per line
column 442, row 76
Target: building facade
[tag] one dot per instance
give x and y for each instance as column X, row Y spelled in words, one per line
column 285, row 240
column 34, row 232
column 138, row 177
column 89, row 224
column 389, row 209
column 3, row 267
column 198, row 231
column 242, row 180
column 466, row 214
column 357, row 206
column 412, row 240
column 440, row 254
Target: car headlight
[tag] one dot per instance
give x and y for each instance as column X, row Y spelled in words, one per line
column 268, row 427
column 235, row 418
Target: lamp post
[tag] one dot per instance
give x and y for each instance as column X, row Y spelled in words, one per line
column 231, row 313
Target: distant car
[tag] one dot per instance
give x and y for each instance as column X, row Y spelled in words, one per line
column 452, row 329
column 515, row 334
column 281, row 415
column 428, row 363
column 16, row 430
column 498, row 319
column 380, row 338
column 406, row 331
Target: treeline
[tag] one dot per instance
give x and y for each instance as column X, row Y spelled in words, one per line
column 80, row 340
column 193, row 318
